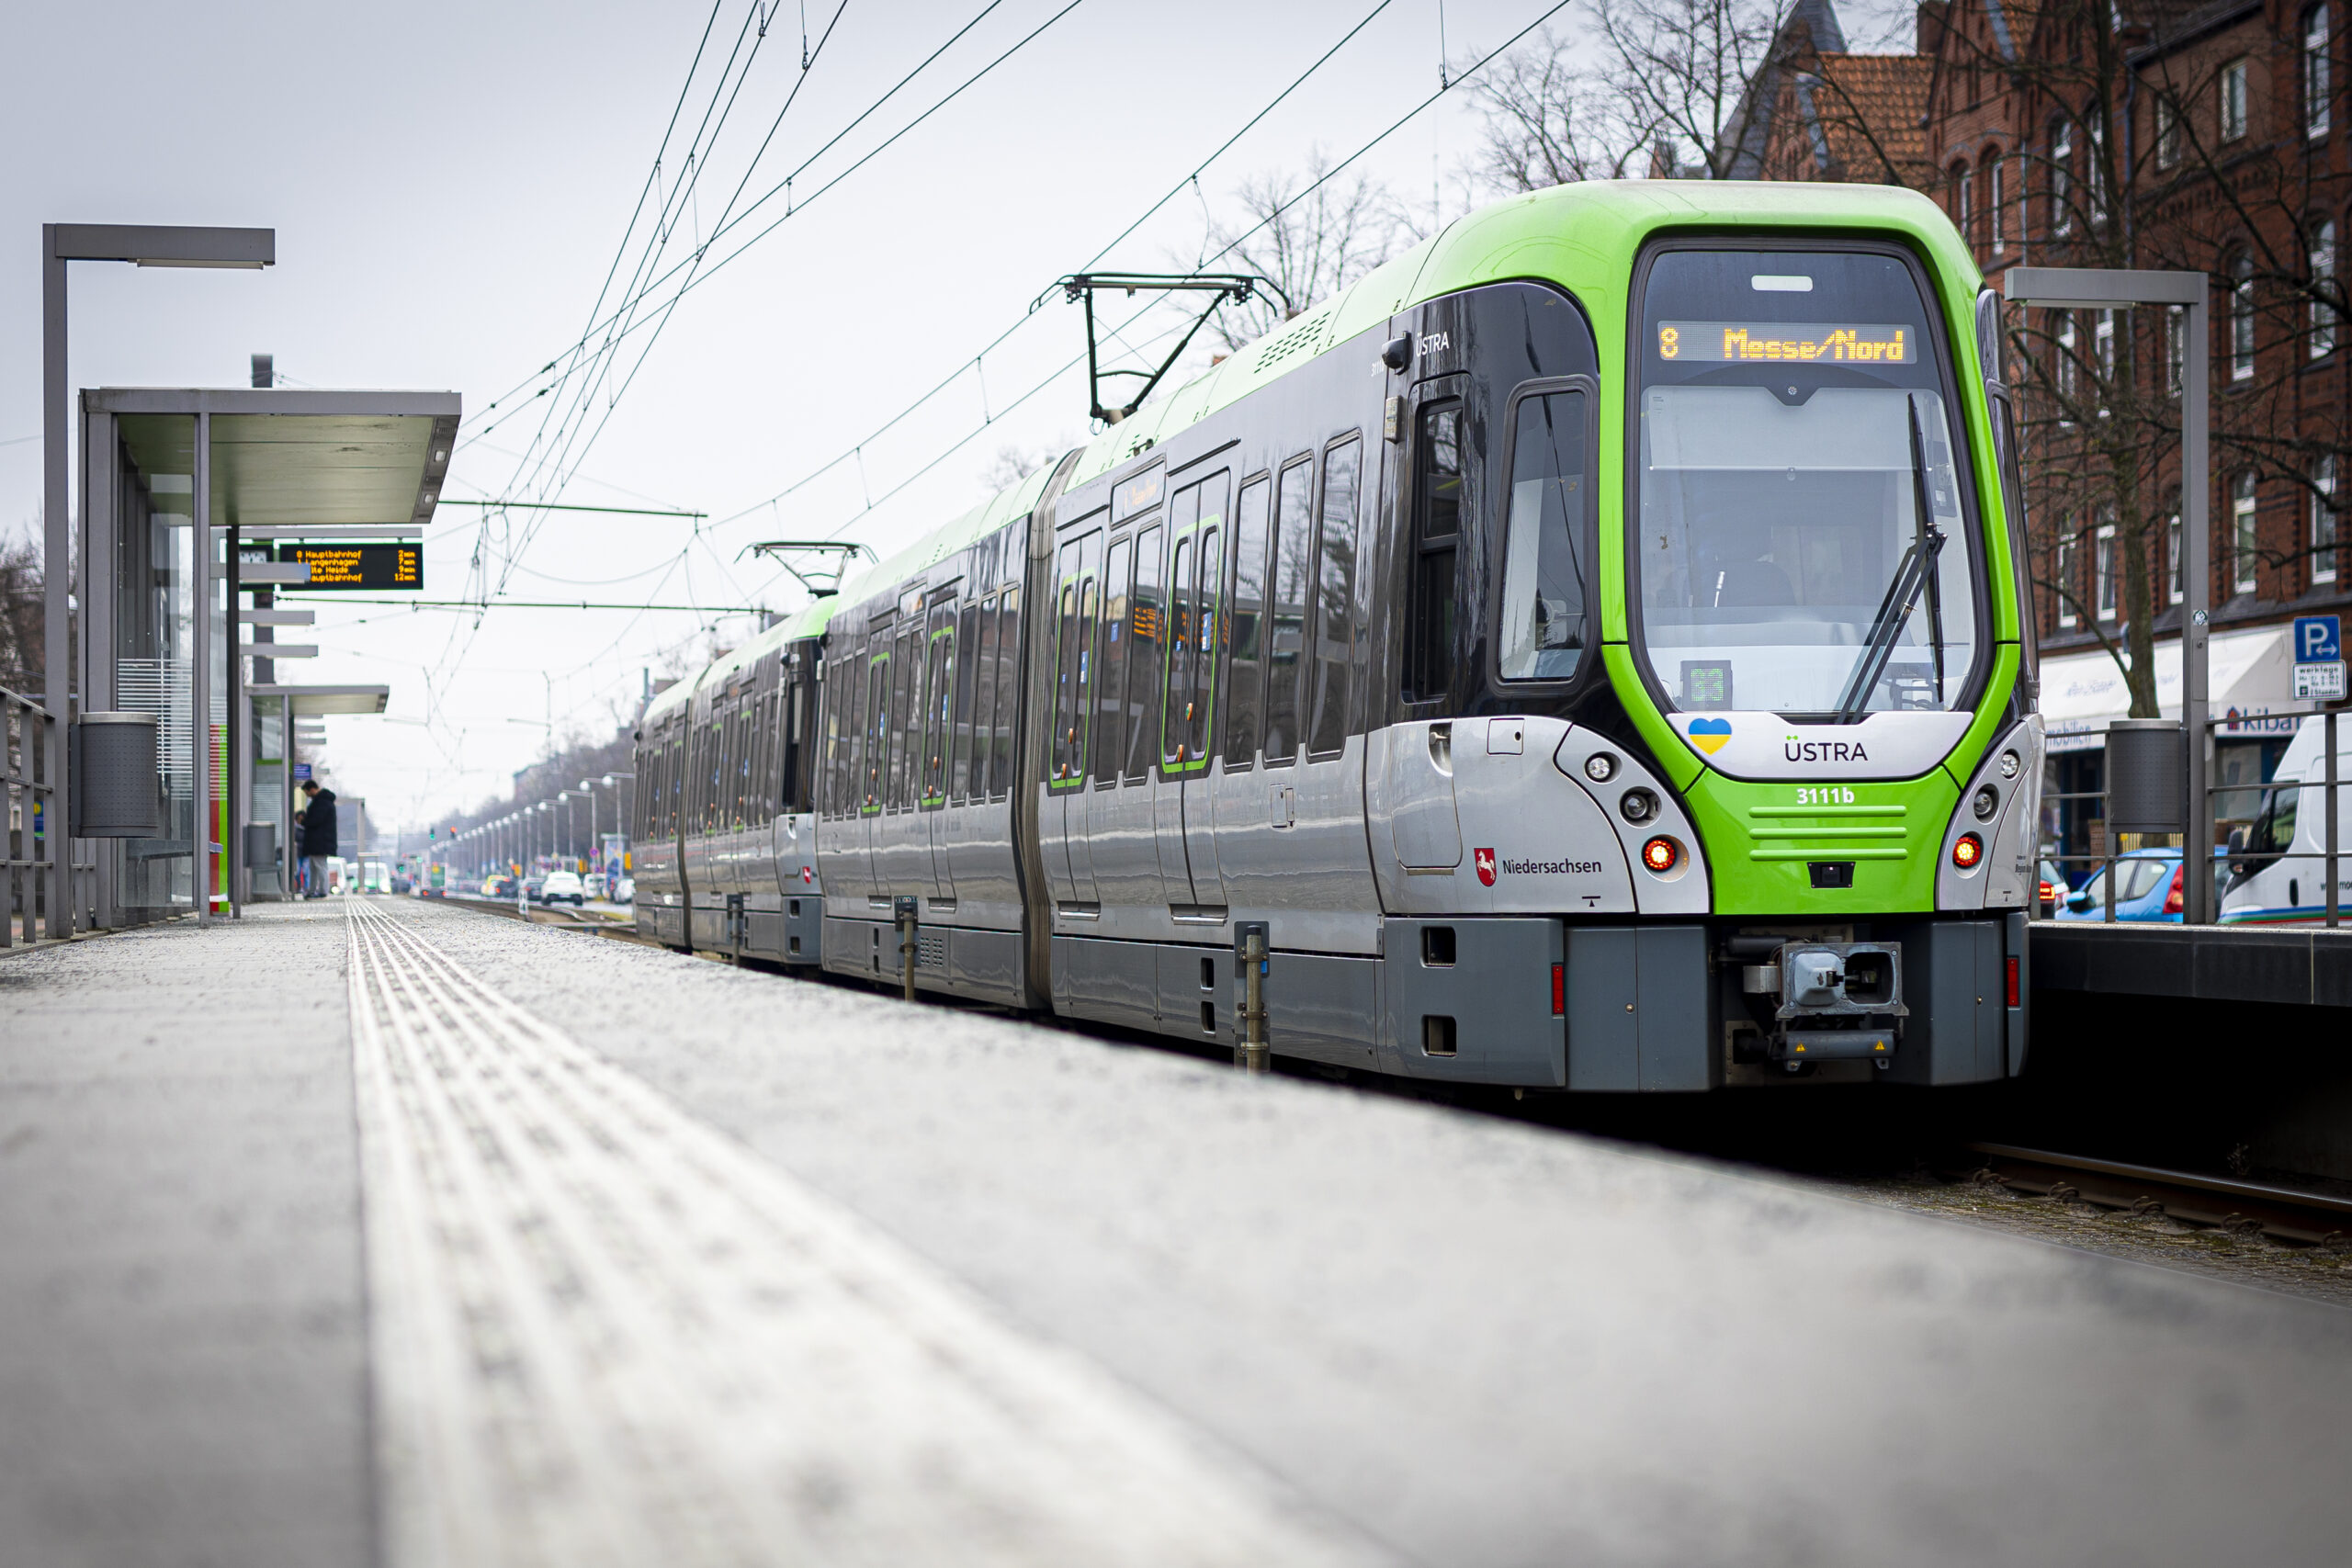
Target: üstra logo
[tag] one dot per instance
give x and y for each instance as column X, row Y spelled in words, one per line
column 1485, row 859
column 1709, row 733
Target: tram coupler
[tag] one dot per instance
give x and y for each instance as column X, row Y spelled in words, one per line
column 1835, row 1000
column 1250, row 1051
column 904, row 906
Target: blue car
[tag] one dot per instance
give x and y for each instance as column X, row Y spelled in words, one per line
column 2147, row 888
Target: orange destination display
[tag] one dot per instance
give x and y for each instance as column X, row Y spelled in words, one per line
column 359, row 566
column 1824, row 341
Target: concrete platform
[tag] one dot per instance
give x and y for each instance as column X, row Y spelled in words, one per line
column 948, row 1271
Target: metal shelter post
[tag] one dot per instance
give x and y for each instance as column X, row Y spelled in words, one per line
column 199, row 711
column 57, row 547
column 2098, row 288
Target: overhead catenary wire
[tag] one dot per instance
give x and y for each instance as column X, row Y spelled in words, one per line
column 973, row 362
column 1236, row 244
column 997, row 413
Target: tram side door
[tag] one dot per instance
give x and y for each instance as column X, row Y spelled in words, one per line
column 1076, row 610
column 1198, row 530
column 938, row 741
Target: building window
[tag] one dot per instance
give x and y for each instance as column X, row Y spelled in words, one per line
column 2067, row 582
column 2242, row 541
column 2062, row 162
column 2240, row 271
column 1962, row 193
column 2168, row 132
column 2315, row 78
column 2322, row 303
column 2176, row 346
column 1992, row 199
column 2233, row 87
column 2172, row 559
column 2066, row 368
column 2103, row 563
column 2324, row 520
column 2103, row 354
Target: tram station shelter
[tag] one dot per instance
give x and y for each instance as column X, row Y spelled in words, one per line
column 185, row 492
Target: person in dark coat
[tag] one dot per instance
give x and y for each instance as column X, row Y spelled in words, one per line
column 318, row 833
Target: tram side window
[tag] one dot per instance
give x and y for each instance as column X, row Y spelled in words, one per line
column 1437, row 527
column 874, row 734
column 1336, row 631
column 1184, row 570
column 1245, row 620
column 1198, row 718
column 906, row 739
column 746, row 756
column 984, row 698
column 1090, row 615
column 1547, row 551
column 1118, row 633
column 1293, row 556
column 1148, row 621
column 712, row 775
column 1066, row 663
column 1008, row 689
column 959, row 782
column 939, row 712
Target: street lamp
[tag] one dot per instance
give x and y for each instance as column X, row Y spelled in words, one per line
column 2083, row 288
column 140, row 245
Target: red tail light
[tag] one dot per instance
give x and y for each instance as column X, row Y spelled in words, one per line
column 2013, row 982
column 1967, row 851
column 1559, row 990
column 2175, row 901
column 2048, row 894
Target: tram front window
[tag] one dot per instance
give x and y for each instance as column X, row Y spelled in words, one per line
column 1800, row 542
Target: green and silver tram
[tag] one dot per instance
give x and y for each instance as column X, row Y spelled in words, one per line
column 1587, row 649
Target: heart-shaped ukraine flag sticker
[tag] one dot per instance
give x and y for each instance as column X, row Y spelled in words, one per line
column 1709, row 733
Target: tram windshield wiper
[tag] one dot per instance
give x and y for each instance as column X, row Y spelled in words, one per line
column 1916, row 570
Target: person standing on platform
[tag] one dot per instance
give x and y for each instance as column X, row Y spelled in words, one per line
column 318, row 834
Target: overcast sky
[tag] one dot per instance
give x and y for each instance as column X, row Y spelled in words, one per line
column 450, row 185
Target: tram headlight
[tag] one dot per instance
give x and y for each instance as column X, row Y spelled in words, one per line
column 1968, row 852
column 1638, row 806
column 2010, row 763
column 1601, row 767
column 1661, row 853
column 1988, row 801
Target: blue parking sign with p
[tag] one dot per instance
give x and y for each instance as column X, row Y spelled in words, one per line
column 2319, row 639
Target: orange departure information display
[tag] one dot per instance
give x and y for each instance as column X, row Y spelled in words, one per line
column 1825, row 343
column 359, row 566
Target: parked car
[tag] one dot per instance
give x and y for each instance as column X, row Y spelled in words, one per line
column 534, row 885
column 2148, row 887
column 560, row 885
column 498, row 885
column 626, row 891
column 2050, row 884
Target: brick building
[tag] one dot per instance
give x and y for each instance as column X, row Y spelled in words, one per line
column 2141, row 133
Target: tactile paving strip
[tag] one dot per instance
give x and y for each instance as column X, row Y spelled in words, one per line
column 604, row 1333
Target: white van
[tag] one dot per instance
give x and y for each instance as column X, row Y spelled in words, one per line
column 2277, row 871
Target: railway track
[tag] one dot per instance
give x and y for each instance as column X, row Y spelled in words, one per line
column 2288, row 1214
